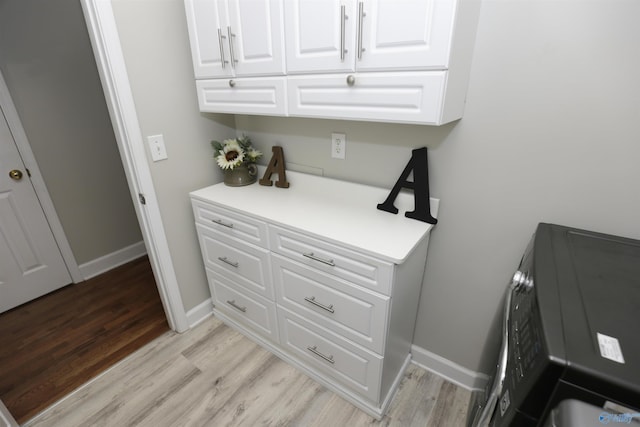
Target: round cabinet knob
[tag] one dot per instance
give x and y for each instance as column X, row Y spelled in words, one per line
column 232, row 83
column 15, row 174
column 351, row 80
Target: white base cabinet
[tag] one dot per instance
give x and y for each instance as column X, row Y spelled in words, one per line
column 337, row 300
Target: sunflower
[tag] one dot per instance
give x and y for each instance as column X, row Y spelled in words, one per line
column 231, row 155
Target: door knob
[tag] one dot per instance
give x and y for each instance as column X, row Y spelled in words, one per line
column 15, row 174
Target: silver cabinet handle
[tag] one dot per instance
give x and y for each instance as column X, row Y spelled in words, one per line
column 221, row 222
column 220, row 37
column 315, row 351
column 226, row 261
column 313, row 301
column 310, row 255
column 343, row 19
column 232, row 52
column 232, row 83
column 233, row 304
column 361, row 15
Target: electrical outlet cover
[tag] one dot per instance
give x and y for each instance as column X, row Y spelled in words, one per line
column 338, row 145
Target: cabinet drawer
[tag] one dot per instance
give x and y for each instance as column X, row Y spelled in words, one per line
column 245, row 264
column 244, row 95
column 346, row 363
column 230, row 223
column 404, row 97
column 249, row 309
column 353, row 312
column 352, row 266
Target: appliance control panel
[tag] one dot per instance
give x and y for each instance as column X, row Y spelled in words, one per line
column 526, row 338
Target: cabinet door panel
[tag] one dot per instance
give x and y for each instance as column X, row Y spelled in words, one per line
column 408, row 97
column 256, row 44
column 406, row 34
column 350, row 311
column 315, row 35
column 230, row 223
column 204, row 19
column 249, row 310
column 345, row 362
column 243, row 96
column 349, row 265
column 246, row 264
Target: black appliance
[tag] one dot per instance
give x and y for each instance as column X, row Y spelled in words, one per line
column 570, row 330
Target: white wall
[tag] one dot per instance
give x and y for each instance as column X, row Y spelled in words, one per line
column 550, row 133
column 155, row 45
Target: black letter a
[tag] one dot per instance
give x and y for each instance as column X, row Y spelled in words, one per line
column 420, row 187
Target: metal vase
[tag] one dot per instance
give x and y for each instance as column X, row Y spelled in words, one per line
column 241, row 175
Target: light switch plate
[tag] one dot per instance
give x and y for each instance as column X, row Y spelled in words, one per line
column 157, row 148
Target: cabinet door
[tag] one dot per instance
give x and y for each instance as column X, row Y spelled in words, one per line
column 320, row 35
column 404, row 34
column 207, row 22
column 255, row 36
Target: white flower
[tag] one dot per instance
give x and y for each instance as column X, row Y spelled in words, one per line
column 232, row 155
column 253, row 154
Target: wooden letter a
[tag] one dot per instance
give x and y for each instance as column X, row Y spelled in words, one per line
column 276, row 165
column 420, row 187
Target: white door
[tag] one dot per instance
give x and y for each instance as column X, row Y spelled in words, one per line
column 404, row 34
column 320, row 35
column 31, row 264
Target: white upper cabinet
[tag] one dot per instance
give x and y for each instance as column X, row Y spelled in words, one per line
column 235, row 37
column 368, row 35
column 207, row 24
column 402, row 61
column 320, row 35
column 403, row 34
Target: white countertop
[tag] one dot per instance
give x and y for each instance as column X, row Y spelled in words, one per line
column 340, row 211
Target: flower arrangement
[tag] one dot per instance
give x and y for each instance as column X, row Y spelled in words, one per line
column 232, row 153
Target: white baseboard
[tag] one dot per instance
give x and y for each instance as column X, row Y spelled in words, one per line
column 110, row 261
column 451, row 371
column 199, row 313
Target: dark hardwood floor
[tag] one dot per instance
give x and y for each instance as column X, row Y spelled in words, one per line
column 54, row 344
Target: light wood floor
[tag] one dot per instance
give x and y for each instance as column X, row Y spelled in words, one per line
column 213, row 376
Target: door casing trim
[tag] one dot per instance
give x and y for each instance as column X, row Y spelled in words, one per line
column 105, row 41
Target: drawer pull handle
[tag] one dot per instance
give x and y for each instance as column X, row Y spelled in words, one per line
column 221, row 222
column 233, row 304
column 226, row 261
column 315, row 351
column 322, row 260
column 313, row 301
